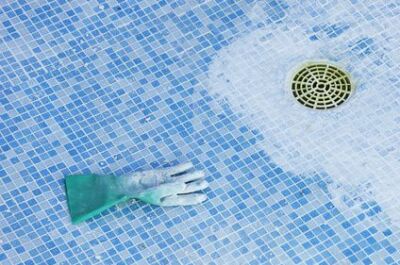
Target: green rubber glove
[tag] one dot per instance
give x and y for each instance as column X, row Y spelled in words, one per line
column 89, row 195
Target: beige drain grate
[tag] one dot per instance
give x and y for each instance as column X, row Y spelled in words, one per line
column 321, row 86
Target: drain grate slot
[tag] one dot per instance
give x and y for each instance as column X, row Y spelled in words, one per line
column 321, row 86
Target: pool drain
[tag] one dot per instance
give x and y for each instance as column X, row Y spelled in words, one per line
column 321, row 86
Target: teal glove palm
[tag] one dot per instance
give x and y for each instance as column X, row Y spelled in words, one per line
column 88, row 195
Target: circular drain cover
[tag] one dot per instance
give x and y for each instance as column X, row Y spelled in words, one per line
column 321, row 86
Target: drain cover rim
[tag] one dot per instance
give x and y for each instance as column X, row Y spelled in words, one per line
column 339, row 91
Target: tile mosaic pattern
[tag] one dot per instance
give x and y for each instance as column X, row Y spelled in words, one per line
column 119, row 86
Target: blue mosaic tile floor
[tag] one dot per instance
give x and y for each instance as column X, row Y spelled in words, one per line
column 119, row 86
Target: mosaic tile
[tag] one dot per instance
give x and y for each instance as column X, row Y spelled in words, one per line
column 118, row 86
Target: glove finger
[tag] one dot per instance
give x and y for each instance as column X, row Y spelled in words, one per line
column 179, row 169
column 191, row 176
column 183, row 200
column 197, row 185
column 154, row 195
column 169, row 189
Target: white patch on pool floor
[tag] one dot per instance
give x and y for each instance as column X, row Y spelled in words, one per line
column 356, row 144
